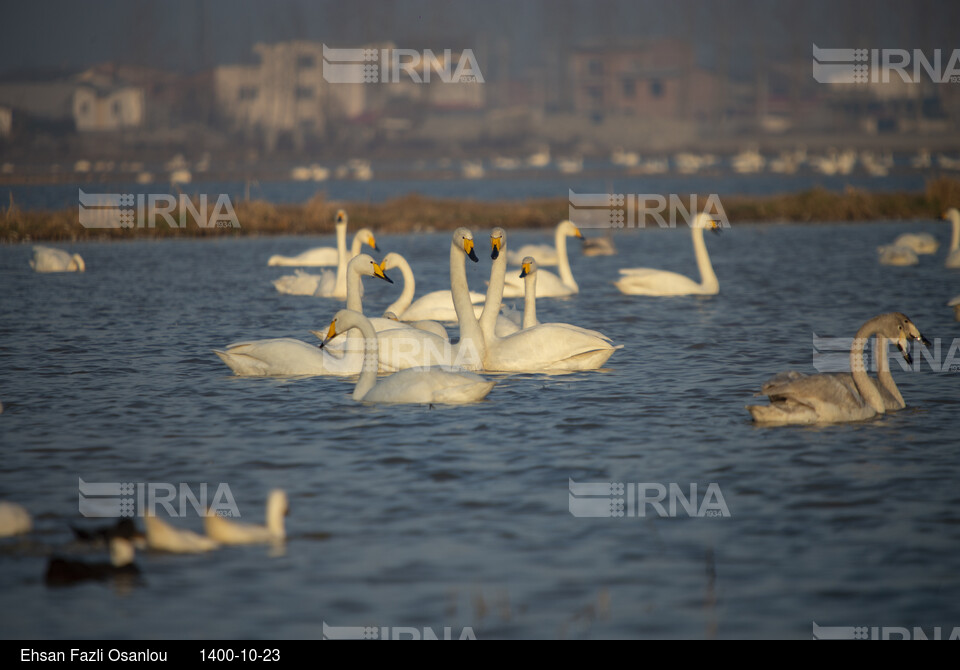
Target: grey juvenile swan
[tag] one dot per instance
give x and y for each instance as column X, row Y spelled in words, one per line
column 797, row 398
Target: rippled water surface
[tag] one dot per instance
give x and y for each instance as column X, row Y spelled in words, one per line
column 458, row 517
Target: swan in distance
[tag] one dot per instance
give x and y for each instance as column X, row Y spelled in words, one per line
column 48, row 259
column 14, row 519
column 411, row 386
column 953, row 254
column 797, row 398
column 318, row 256
column 892, row 254
column 544, row 253
column 648, row 281
column 327, row 284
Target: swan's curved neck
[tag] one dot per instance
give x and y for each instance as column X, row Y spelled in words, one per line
column 563, row 263
column 354, row 290
column 470, row 333
column 883, row 370
column 494, row 299
column 955, row 237
column 371, row 354
column 868, row 390
column 400, row 305
column 530, row 300
column 708, row 278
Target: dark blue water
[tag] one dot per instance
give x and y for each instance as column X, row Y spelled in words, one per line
column 459, row 517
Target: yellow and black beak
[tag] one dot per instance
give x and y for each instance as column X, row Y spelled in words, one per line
column 714, row 227
column 331, row 333
column 378, row 272
column 373, row 243
column 577, row 233
column 341, row 216
column 524, row 270
column 496, row 243
column 468, row 249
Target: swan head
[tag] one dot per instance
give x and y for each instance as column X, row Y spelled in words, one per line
column 498, row 239
column 707, row 222
column 570, row 229
column 341, row 218
column 121, row 551
column 390, row 315
column 952, row 214
column 365, row 236
column 364, row 265
column 392, row 260
column 528, row 266
column 898, row 327
column 463, row 240
column 343, row 321
column 78, row 263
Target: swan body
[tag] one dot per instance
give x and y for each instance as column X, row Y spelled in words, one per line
column 14, row 519
column 327, row 284
column 919, row 243
column 286, row 356
column 544, row 253
column 318, row 256
column 953, row 253
column 599, row 246
column 436, row 306
column 648, row 281
column 797, row 398
column 542, row 347
column 898, row 256
column 164, row 537
column 48, row 259
column 550, row 285
column 225, row 531
column 441, row 385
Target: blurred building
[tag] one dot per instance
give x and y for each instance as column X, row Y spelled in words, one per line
column 659, row 79
column 74, row 104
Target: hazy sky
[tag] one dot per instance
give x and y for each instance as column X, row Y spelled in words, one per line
column 188, row 36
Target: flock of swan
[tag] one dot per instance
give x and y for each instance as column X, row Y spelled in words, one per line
column 907, row 248
column 407, row 355
column 123, row 538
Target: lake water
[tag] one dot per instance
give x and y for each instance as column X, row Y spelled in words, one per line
column 459, row 517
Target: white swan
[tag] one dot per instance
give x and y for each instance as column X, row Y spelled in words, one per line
column 550, row 285
column 327, row 284
column 286, row 356
column 599, row 246
column 164, row 537
column 899, row 256
column 919, row 243
column 423, row 385
column 48, row 259
column 797, row 398
column 544, row 253
column 225, row 531
column 544, row 347
column 647, row 281
column 14, row 519
column 953, row 254
column 955, row 303
column 318, row 256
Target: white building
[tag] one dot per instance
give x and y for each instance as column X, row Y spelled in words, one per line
column 97, row 109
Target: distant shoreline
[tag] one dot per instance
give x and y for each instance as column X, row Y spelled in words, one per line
column 414, row 213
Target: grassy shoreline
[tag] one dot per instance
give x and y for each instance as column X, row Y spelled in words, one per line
column 415, row 213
